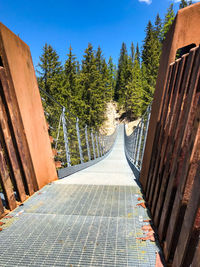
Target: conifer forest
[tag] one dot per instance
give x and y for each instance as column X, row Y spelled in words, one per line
column 85, row 88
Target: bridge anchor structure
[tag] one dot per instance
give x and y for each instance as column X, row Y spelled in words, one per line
column 95, row 214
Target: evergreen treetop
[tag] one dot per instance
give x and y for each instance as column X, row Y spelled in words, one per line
column 158, row 27
column 169, row 18
column 99, row 59
column 50, row 70
column 121, row 80
column 132, row 52
column 185, row 3
column 137, row 53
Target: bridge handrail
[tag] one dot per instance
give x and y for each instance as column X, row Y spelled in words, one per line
column 74, row 143
column 135, row 142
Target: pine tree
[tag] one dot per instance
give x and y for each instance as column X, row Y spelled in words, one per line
column 107, row 83
column 137, row 54
column 99, row 59
column 104, row 72
column 129, row 74
column 132, row 52
column 50, row 80
column 150, row 60
column 147, row 91
column 122, row 78
column 158, row 27
column 70, row 97
column 112, row 74
column 134, row 91
column 92, row 90
column 50, row 71
column 169, row 18
column 183, row 4
column 77, row 67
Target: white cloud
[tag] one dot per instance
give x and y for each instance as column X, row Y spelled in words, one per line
column 148, row 2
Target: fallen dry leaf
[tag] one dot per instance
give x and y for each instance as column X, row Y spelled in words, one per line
column 1, row 223
column 1, row 229
column 141, row 204
column 151, row 238
column 150, row 233
column 147, row 228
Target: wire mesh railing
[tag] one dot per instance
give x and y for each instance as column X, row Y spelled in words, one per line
column 73, row 142
column 135, row 142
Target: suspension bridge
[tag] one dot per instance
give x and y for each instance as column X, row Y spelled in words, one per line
column 118, row 200
column 90, row 218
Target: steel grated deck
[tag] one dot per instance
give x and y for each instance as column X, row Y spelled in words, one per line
column 77, row 225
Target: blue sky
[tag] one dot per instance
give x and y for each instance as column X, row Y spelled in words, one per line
column 63, row 23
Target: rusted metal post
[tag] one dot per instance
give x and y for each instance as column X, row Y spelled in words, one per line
column 29, row 124
column 183, row 32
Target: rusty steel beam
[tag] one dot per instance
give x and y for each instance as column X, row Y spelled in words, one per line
column 164, row 217
column 190, row 115
column 35, row 152
column 161, row 142
column 11, row 150
column 1, row 208
column 172, row 152
column 169, row 145
column 190, row 230
column 184, row 31
column 158, row 133
column 196, row 258
column 6, row 182
column 19, row 134
column 179, row 137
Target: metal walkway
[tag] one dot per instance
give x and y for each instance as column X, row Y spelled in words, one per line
column 87, row 219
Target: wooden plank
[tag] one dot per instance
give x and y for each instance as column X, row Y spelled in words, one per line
column 17, row 128
column 188, row 226
column 168, row 202
column 15, row 168
column 6, row 182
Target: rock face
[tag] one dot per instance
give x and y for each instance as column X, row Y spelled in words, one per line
column 112, row 116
